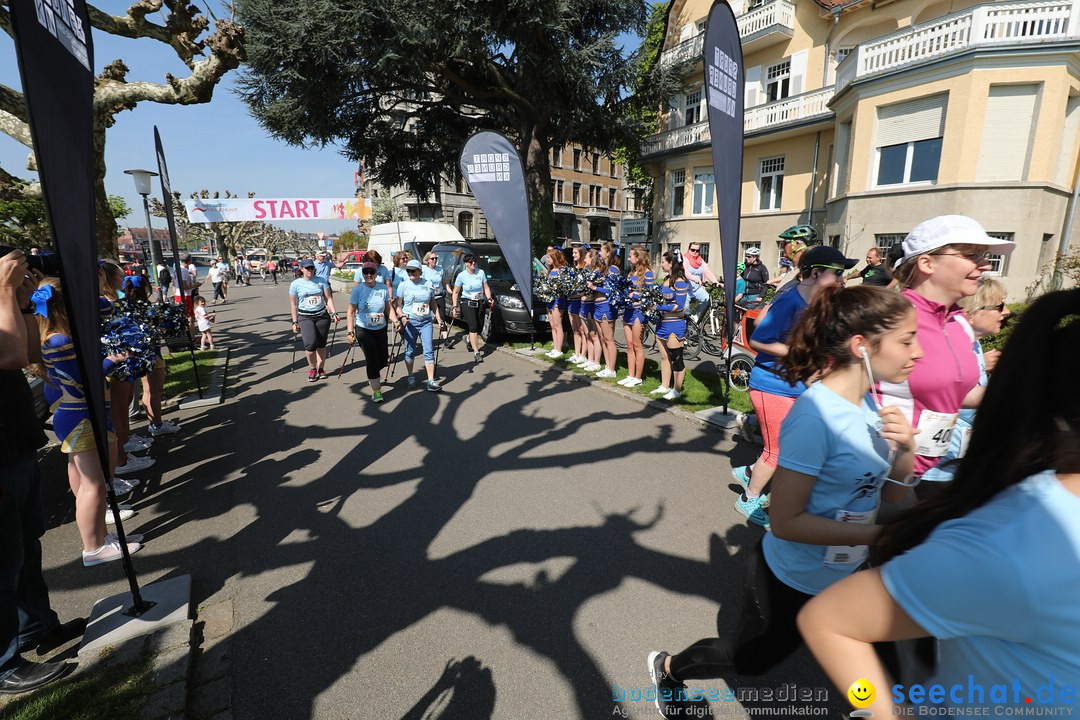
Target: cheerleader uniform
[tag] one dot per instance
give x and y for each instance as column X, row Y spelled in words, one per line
column 633, row 313
column 558, row 302
column 574, row 303
column 71, row 419
column 672, row 319
column 602, row 309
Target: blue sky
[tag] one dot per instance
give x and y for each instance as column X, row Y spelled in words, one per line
column 216, row 145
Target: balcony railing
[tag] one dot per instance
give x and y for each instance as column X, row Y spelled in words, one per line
column 980, row 26
column 763, row 117
column 596, row 211
column 776, row 14
column 563, row 207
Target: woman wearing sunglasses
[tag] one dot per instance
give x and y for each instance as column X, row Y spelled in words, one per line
column 944, row 259
column 698, row 273
column 369, row 311
column 309, row 298
column 470, row 293
column 772, row 394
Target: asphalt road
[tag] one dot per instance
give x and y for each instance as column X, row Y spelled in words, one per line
column 512, row 547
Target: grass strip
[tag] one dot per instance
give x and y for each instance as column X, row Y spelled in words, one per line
column 117, row 692
column 179, row 377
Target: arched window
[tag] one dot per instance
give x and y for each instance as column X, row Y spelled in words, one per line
column 465, row 224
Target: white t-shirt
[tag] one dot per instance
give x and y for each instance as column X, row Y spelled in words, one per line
column 201, row 318
column 215, row 273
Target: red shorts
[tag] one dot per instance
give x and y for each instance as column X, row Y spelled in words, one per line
column 189, row 305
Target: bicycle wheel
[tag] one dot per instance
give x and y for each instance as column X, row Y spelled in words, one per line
column 713, row 342
column 692, row 341
column 739, row 372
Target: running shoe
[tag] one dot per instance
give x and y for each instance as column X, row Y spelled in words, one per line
column 580, row 361
column 322, row 374
column 624, row 381
column 478, row 357
column 433, row 386
column 312, row 375
column 107, row 553
column 606, row 373
column 661, row 390
column 167, row 427
column 134, row 464
column 120, row 486
column 131, row 538
column 125, row 513
column 634, row 382
column 377, row 396
column 133, row 445
column 751, row 509
column 148, row 441
column 411, row 381
column 742, row 474
column 554, row 354
column 672, row 697
column 673, row 394
column 573, row 359
column 591, row 367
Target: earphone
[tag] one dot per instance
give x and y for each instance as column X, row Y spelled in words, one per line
column 870, row 374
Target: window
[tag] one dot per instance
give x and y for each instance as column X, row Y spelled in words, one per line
column 577, row 159
column 465, row 224
column 596, row 194
column 678, row 192
column 887, row 241
column 556, row 190
column 700, row 24
column 909, row 162
column 756, row 4
column 908, row 141
column 577, row 193
column 704, row 192
column 999, row 264
column 1046, row 245
column 612, row 169
column 771, row 183
column 611, row 198
column 778, row 81
column 672, row 247
column 596, row 163
column 556, row 157
column 692, row 108
column 842, row 53
column 747, row 245
column 704, row 251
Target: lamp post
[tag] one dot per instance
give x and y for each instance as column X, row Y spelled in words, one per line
column 142, row 186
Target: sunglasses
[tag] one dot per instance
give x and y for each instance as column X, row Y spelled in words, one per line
column 693, row 250
column 369, row 272
column 979, row 257
column 1000, row 307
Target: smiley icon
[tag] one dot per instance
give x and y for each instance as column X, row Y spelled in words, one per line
column 861, row 693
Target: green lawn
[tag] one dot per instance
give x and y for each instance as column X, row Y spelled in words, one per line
column 179, row 378
column 117, row 693
column 701, row 389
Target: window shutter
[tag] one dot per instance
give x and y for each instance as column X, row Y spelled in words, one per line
column 1010, row 112
column 685, row 32
column 753, row 86
column 798, row 72
column 920, row 119
column 1067, row 159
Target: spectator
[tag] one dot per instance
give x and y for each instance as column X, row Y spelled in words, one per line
column 875, row 272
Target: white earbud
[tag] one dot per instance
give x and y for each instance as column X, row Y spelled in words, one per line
column 862, row 351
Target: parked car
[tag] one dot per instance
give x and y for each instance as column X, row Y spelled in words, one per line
column 510, row 315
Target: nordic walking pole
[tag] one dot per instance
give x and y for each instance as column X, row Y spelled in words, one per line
column 333, row 334
column 348, row 352
column 292, row 365
column 393, row 353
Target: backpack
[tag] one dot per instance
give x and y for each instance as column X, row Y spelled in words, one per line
column 165, row 277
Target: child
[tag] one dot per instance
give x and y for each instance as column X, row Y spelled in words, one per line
column 71, row 422
column 205, row 321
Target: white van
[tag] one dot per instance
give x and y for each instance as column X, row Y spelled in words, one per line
column 416, row 237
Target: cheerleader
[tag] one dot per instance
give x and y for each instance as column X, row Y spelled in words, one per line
column 593, row 263
column 71, row 422
column 671, row 330
column 603, row 313
column 573, row 306
column 633, row 319
column 557, row 305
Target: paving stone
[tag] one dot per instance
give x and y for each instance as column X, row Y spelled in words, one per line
column 171, row 666
column 217, row 619
column 167, row 702
column 215, row 696
column 211, row 661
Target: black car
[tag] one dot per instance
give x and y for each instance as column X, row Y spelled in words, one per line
column 510, row 316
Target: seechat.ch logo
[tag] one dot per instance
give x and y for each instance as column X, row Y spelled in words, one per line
column 1005, row 698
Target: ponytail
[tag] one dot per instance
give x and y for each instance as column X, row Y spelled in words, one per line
column 818, row 342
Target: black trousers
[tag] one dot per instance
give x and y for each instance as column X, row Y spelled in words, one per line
column 314, row 329
column 767, row 633
column 471, row 314
column 376, row 352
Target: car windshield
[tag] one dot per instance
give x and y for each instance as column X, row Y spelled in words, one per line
column 494, row 266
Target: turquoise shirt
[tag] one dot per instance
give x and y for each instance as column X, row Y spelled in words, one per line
column 434, row 278
column 310, row 299
column 370, row 305
column 416, row 300
column 471, row 284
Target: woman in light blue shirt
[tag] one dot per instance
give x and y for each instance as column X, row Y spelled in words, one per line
column 415, row 306
column 838, row 449
column 471, row 293
column 432, row 272
column 369, row 311
column 310, row 298
column 990, row 564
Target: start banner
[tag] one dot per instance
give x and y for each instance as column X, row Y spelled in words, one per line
column 276, row 209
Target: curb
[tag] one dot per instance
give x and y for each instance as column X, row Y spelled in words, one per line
column 614, row 389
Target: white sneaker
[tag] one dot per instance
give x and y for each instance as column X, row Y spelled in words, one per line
column 634, row 382
column 125, row 513
column 135, row 445
column 673, row 395
column 107, row 553
column 590, row 367
column 131, row 538
column 661, row 390
column 606, row 373
column 165, row 428
column 134, row 464
column 624, row 381
column 554, row 354
column 581, row 361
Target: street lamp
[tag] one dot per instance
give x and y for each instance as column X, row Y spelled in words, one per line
column 142, row 186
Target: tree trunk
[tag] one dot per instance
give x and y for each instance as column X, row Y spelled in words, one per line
column 105, row 225
column 538, row 193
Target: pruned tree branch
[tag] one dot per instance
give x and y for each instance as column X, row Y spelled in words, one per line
column 15, row 127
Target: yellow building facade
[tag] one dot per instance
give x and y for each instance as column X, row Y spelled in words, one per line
column 864, row 118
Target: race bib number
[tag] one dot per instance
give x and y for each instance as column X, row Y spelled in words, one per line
column 311, row 302
column 850, row 554
column 375, row 318
column 935, row 433
column 421, row 309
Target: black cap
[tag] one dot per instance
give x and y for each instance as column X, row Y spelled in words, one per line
column 825, row 256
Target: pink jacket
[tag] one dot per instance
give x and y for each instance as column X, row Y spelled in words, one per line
column 944, row 375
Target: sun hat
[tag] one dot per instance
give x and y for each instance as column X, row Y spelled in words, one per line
column 413, row 265
column 936, row 233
